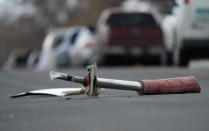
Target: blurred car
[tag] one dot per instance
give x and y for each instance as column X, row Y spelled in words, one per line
column 33, row 59
column 17, row 59
column 77, row 47
column 187, row 31
column 128, row 33
column 47, row 58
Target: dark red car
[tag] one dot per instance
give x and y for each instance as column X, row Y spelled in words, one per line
column 134, row 33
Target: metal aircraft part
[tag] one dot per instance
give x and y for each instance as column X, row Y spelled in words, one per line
column 91, row 88
column 53, row 92
column 93, row 85
column 91, row 82
column 62, row 76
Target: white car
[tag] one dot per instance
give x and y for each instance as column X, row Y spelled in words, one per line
column 77, row 47
column 67, row 47
column 187, row 31
column 47, row 58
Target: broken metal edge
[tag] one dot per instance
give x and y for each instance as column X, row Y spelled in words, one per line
column 29, row 93
column 52, row 92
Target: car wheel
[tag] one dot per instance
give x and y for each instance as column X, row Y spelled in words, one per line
column 183, row 58
column 169, row 58
column 163, row 58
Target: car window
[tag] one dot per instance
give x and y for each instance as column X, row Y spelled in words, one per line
column 72, row 36
column 58, row 40
column 131, row 19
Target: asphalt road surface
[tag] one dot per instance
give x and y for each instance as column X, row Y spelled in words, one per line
column 113, row 110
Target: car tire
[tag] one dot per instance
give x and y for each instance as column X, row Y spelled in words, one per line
column 163, row 58
column 169, row 58
column 183, row 58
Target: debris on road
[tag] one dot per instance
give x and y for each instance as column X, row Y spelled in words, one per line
column 53, row 92
column 93, row 85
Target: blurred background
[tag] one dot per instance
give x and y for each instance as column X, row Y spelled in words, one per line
column 47, row 34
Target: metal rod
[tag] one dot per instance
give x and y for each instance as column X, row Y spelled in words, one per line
column 118, row 84
column 66, row 77
column 100, row 82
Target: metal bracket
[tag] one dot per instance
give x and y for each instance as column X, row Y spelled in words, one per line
column 91, row 89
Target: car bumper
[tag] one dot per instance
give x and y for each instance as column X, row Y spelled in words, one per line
column 133, row 50
column 195, row 45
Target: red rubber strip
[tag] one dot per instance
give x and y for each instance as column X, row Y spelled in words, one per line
column 170, row 86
